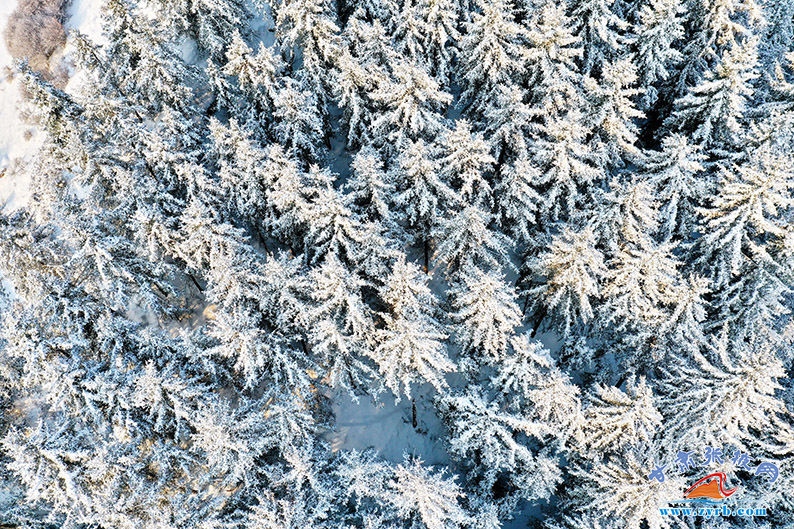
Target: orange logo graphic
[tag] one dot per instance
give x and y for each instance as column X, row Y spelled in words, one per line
column 712, row 486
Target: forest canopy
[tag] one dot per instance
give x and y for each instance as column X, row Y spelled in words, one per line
column 564, row 226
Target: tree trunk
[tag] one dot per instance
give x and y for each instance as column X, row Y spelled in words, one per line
column 195, row 282
column 427, row 255
column 538, row 321
column 413, row 413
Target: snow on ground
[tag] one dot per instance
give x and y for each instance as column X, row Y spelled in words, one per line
column 18, row 140
column 86, row 16
column 387, row 426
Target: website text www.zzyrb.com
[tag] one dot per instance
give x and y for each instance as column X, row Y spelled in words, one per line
column 711, row 512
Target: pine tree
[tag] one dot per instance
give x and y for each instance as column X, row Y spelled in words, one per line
column 676, row 176
column 717, row 27
column 412, row 103
column 308, row 26
column 138, row 63
column 614, row 113
column 369, row 187
column 530, row 382
column 465, row 164
column 298, row 121
column 508, row 123
column 410, row 347
column 333, row 228
column 619, row 488
column 599, row 29
column 745, row 216
column 554, row 76
column 491, row 52
column 626, row 216
column 442, row 19
column 639, row 285
column 485, row 438
column 617, row 419
column 778, row 31
column 713, row 110
column 572, row 269
column 566, row 164
column 661, row 25
column 214, row 24
column 241, row 169
column 517, row 201
column 422, row 195
column 354, row 82
column 683, row 327
column 466, row 242
column 712, row 382
column 341, row 324
column 485, row 314
column 257, row 75
column 429, row 499
column 409, row 34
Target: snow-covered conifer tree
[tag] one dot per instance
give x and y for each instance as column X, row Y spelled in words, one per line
column 661, row 24
column 555, row 79
column 485, row 314
column 614, row 113
column 422, row 195
column 716, row 27
column 410, row 347
column 675, row 175
column 484, row 437
column 599, row 28
column 257, row 76
column 341, row 323
column 492, row 52
column 465, row 242
column 726, row 384
column 465, row 164
column 517, row 201
column 572, row 271
column 214, row 24
column 370, row 188
column 742, row 245
column 566, row 164
column 712, row 111
column 616, row 419
column 298, row 122
column 412, row 103
column 639, row 284
column 309, row 26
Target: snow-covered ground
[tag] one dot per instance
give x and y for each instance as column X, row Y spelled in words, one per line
column 387, row 426
column 86, row 16
column 17, row 139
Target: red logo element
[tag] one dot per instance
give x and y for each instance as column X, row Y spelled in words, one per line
column 712, row 486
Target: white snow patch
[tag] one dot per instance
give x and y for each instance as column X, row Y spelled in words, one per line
column 86, row 16
column 386, row 426
column 6, row 8
column 18, row 140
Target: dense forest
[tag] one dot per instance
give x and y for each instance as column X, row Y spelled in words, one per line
column 566, row 226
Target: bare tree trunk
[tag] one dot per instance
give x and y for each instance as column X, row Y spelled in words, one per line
column 538, row 321
column 195, row 282
column 427, row 256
